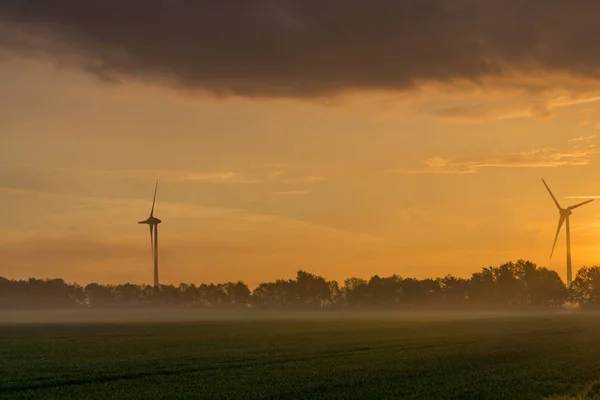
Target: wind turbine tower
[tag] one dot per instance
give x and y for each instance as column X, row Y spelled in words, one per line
column 564, row 216
column 153, row 222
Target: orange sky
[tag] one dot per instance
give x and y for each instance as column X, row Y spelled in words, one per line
column 439, row 178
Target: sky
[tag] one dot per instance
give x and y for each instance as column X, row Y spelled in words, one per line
column 342, row 137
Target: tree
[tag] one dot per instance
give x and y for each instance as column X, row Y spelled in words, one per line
column 454, row 291
column 238, row 294
column 507, row 287
column 312, row 291
column 481, row 287
column 273, row 294
column 512, row 284
column 129, row 295
column 585, row 288
column 354, row 291
column 168, row 295
column 190, row 295
column 384, row 292
column 541, row 287
column 99, row 296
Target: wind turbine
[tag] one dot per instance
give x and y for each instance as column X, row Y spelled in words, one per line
column 564, row 216
column 153, row 222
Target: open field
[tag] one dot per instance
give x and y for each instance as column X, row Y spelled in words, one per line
column 329, row 356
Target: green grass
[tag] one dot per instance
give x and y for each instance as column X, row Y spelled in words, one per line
column 527, row 357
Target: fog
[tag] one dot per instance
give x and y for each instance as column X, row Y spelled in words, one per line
column 126, row 316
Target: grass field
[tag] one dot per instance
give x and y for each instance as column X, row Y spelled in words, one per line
column 524, row 357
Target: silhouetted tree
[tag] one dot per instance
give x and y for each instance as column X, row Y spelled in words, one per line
column 521, row 284
column 168, row 295
column 190, row 295
column 213, row 295
column 130, row 295
column 312, row 291
column 336, row 294
column 481, row 287
column 278, row 294
column 99, row 296
column 54, row 293
column 518, row 284
column 383, row 292
column 238, row 294
column 507, row 287
column 355, row 291
column 454, row 291
column 585, row 288
column 540, row 286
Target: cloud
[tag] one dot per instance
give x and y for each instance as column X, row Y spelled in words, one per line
column 299, row 48
column 565, row 101
column 173, row 175
column 291, row 193
column 304, row 179
column 251, row 176
column 582, row 138
column 537, row 158
column 482, row 112
column 515, row 108
column 208, row 177
column 467, row 113
column 57, row 179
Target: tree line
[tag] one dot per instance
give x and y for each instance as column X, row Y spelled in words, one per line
column 520, row 284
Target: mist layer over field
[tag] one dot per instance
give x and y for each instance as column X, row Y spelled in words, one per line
column 154, row 315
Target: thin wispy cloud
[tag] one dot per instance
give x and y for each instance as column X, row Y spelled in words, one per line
column 567, row 101
column 291, row 193
column 524, row 108
column 537, row 158
column 70, row 209
column 172, row 175
column 101, row 240
column 208, row 177
column 290, row 173
column 304, row 179
column 253, row 176
column 583, row 138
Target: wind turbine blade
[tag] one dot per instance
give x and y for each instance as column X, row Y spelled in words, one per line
column 560, row 222
column 579, row 204
column 151, row 240
column 154, row 200
column 549, row 191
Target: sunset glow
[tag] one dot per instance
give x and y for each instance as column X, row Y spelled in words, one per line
column 342, row 157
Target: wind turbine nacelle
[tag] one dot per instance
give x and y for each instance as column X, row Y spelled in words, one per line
column 151, row 221
column 565, row 212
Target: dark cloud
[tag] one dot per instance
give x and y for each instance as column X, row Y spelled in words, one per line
column 307, row 47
